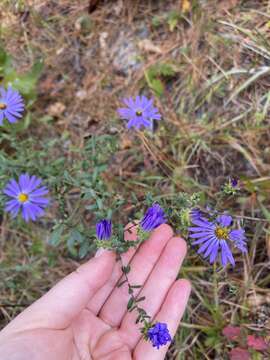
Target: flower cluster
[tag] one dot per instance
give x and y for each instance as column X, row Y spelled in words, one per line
column 159, row 335
column 211, row 231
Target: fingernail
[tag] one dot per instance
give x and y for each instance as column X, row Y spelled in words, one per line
column 100, row 252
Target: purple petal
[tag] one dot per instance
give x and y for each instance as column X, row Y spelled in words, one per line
column 39, row 201
column 236, row 235
column 33, row 183
column 39, row 192
column 12, row 119
column 14, row 186
column 214, row 253
column 11, row 204
column 205, row 245
column 226, row 254
column 203, row 224
column 210, row 248
column 224, row 220
column 201, row 234
column 125, row 113
column 203, row 239
column 23, row 182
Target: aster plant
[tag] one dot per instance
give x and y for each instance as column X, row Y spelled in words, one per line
column 11, row 105
column 26, row 196
column 211, row 231
column 139, row 112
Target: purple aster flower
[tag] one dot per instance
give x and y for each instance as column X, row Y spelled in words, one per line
column 11, row 105
column 153, row 217
column 216, row 237
column 159, row 335
column 234, row 182
column 139, row 112
column 104, row 229
column 26, row 195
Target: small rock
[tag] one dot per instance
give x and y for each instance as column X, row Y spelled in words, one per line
column 81, row 94
column 125, row 54
column 56, row 109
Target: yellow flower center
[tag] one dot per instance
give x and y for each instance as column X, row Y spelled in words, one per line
column 3, row 106
column 23, row 197
column 139, row 113
column 222, row 233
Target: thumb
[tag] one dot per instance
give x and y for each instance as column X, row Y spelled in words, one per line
column 69, row 297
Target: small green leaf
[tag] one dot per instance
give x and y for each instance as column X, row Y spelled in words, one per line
column 56, row 235
column 126, row 269
column 121, row 283
column 130, row 303
column 141, row 299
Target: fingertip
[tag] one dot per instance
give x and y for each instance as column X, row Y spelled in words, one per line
column 183, row 286
column 164, row 229
column 181, row 245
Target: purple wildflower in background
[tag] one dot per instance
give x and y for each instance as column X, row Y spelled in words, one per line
column 26, row 195
column 139, row 112
column 11, row 105
column 159, row 335
column 104, row 229
column 234, row 182
column 216, row 237
column 153, row 217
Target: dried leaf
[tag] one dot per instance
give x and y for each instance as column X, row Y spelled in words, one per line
column 256, row 300
column 56, row 109
column 231, row 332
column 257, row 343
column 125, row 142
column 186, row 6
column 147, row 46
column 239, row 354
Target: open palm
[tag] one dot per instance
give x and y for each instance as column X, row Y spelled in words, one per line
column 85, row 315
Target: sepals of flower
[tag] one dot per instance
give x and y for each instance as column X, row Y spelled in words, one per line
column 231, row 187
column 157, row 333
column 216, row 238
column 106, row 239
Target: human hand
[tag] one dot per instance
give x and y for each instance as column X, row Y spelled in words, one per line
column 85, row 315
